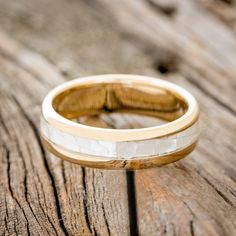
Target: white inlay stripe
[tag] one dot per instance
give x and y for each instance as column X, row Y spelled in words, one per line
column 123, row 149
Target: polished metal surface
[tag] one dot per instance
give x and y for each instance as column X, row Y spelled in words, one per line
column 132, row 148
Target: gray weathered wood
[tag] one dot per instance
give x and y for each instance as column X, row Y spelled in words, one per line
column 41, row 194
column 44, row 43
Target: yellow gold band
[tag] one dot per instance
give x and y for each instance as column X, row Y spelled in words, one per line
column 64, row 105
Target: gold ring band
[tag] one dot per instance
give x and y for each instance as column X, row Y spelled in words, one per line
column 120, row 148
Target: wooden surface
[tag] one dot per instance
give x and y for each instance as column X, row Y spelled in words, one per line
column 189, row 42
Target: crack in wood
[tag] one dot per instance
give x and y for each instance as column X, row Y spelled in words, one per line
column 215, row 189
column 167, row 9
column 210, row 95
column 218, row 192
column 25, row 182
column 131, row 192
column 6, row 215
column 11, row 190
column 85, row 199
column 37, row 192
column 64, row 175
column 94, row 197
column 191, row 225
column 106, row 220
column 54, row 188
column 229, row 2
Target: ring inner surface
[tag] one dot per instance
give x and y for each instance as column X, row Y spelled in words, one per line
column 148, row 105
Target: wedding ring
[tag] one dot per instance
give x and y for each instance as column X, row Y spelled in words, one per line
column 109, row 148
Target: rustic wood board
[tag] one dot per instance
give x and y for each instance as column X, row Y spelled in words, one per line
column 43, row 43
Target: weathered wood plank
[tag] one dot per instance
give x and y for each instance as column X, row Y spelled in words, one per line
column 42, row 195
column 212, row 195
column 194, row 46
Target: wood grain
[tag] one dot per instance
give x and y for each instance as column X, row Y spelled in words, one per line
column 45, row 43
